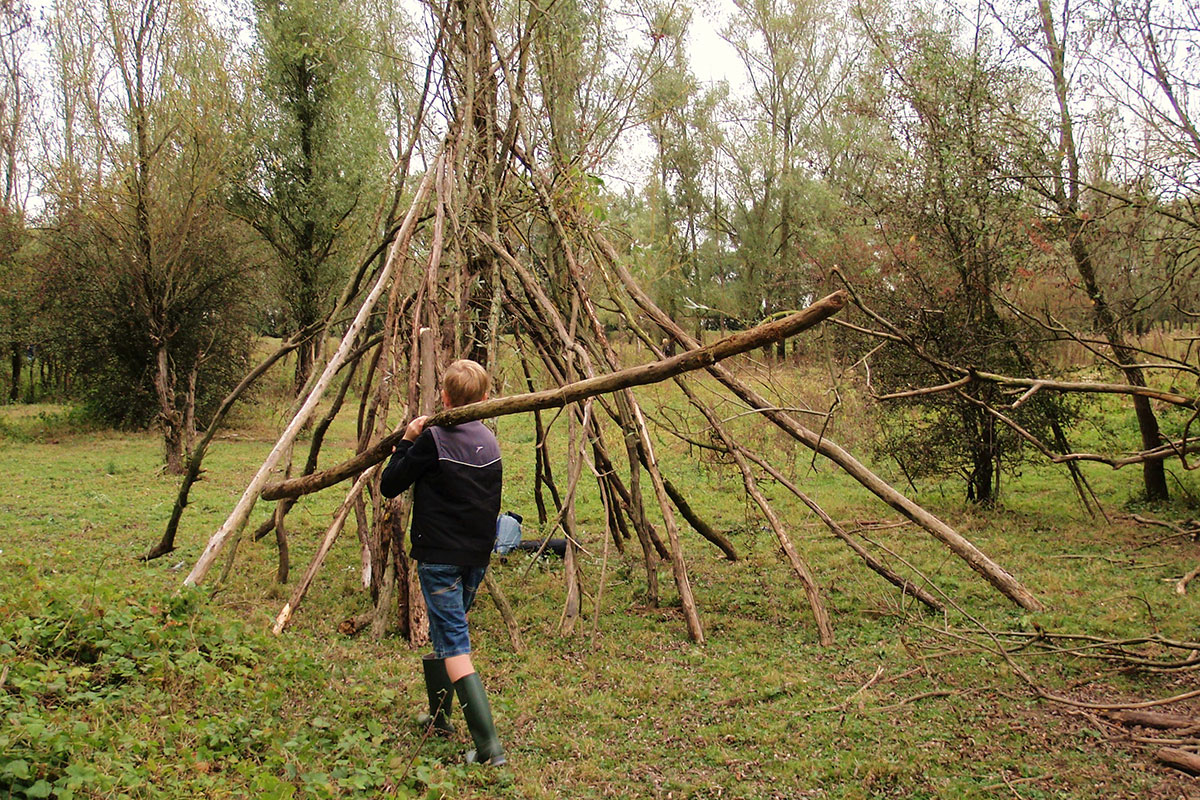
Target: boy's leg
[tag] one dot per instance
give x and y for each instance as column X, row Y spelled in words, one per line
column 449, row 593
column 471, row 696
column 439, row 585
column 459, row 667
column 478, row 714
column 439, row 688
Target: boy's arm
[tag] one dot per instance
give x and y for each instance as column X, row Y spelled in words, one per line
column 411, row 459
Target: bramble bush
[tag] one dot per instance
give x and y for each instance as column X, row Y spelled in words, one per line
column 145, row 697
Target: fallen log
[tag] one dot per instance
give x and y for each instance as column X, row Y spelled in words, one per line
column 654, row 372
column 1179, row 759
column 1153, row 719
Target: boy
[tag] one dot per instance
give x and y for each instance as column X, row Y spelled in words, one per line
column 456, row 475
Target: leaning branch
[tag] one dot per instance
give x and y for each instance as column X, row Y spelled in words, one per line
column 167, row 543
column 654, row 372
column 1009, row 586
column 1037, row 384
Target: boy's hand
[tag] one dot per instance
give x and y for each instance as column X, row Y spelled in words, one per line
column 415, row 427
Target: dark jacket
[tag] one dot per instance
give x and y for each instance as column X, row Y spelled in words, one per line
column 456, row 477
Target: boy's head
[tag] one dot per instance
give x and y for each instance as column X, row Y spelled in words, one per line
column 464, row 382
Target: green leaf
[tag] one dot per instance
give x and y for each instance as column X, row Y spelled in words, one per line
column 39, row 789
column 268, row 787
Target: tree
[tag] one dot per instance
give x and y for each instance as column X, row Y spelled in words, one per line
column 679, row 201
column 950, row 223
column 1067, row 190
column 139, row 232
column 1149, row 76
column 15, row 102
column 316, row 152
column 797, row 56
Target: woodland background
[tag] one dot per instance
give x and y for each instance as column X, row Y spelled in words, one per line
column 1011, row 186
column 1007, row 193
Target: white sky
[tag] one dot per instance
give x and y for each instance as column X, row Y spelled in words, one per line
column 713, row 59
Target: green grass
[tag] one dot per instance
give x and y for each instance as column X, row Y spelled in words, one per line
column 116, row 685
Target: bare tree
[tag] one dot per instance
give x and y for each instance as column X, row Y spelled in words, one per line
column 15, row 104
column 1067, row 190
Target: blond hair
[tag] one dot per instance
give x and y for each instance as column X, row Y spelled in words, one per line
column 465, row 381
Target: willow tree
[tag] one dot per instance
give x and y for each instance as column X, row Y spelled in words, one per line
column 796, row 55
column 1056, row 41
column 145, row 251
column 16, row 101
column 311, row 178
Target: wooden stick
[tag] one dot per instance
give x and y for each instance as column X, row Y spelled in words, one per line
column 1155, row 719
column 797, row 562
column 699, row 525
column 506, row 612
column 651, row 552
column 1179, row 759
column 903, row 584
column 1181, row 587
column 683, row 584
column 654, row 372
column 331, row 534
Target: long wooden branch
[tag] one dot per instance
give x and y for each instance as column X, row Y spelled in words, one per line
column 807, row 579
column 903, row 584
column 167, row 543
column 1037, row 384
column 331, row 535
column 654, row 372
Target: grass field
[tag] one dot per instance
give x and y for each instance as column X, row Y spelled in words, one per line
column 113, row 683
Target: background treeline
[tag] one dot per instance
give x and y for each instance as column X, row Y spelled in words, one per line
column 1009, row 187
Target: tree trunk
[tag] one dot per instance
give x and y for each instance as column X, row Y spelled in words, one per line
column 1154, row 474
column 981, row 488
column 167, row 543
column 304, row 366
column 14, row 392
column 170, row 420
column 1066, row 195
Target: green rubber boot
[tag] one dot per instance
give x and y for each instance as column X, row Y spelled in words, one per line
column 441, row 696
column 478, row 715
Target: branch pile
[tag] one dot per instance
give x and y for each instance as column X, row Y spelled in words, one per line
column 497, row 257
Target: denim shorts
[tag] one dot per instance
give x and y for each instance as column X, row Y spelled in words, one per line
column 449, row 592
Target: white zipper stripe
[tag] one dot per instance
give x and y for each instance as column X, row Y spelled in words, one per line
column 468, row 464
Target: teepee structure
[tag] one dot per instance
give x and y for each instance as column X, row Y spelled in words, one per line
column 497, row 242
